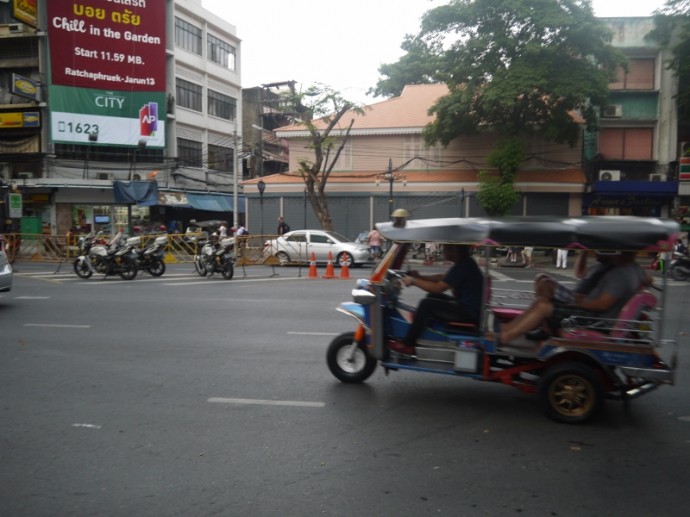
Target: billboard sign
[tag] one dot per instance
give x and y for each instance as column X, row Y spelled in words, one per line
column 17, row 119
column 26, row 11
column 107, row 63
column 25, row 87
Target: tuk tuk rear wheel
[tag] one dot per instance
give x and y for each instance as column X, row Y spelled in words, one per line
column 571, row 392
column 348, row 363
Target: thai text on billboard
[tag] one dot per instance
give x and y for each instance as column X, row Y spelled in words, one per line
column 107, row 60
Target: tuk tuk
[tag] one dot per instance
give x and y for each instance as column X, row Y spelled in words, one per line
column 572, row 371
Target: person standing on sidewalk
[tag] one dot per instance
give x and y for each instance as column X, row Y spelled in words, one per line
column 527, row 256
column 283, row 227
column 562, row 259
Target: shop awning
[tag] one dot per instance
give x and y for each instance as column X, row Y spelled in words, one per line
column 638, row 188
column 142, row 193
column 215, row 202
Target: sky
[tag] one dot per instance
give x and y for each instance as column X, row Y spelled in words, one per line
column 340, row 43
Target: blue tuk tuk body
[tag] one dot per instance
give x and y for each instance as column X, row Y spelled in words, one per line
column 572, row 372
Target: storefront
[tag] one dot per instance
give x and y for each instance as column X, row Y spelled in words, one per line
column 641, row 198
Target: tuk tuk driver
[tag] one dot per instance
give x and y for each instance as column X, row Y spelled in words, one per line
column 466, row 282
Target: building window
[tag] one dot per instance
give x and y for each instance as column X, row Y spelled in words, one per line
column 221, row 106
column 422, row 156
column 221, row 52
column 187, row 36
column 627, row 143
column 188, row 94
column 221, row 158
column 189, row 153
column 639, row 76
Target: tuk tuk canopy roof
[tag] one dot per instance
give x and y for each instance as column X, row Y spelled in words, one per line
column 590, row 232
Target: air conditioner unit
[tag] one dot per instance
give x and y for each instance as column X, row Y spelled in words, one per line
column 25, row 175
column 609, row 175
column 657, row 177
column 612, row 111
column 136, row 177
column 104, row 176
column 17, row 28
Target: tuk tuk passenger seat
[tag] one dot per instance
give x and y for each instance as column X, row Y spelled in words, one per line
column 632, row 311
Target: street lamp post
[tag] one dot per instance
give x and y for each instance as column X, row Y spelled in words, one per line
column 93, row 137
column 389, row 176
column 141, row 145
column 261, row 185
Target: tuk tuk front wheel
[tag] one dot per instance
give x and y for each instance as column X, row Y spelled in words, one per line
column 349, row 361
column 571, row 392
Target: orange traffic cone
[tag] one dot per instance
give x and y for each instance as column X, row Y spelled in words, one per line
column 344, row 271
column 330, row 273
column 312, row 267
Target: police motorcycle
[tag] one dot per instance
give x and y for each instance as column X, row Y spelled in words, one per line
column 680, row 263
column 215, row 256
column 150, row 259
column 107, row 258
column 572, row 371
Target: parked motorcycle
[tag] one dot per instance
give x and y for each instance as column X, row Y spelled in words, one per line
column 150, row 259
column 680, row 267
column 215, row 258
column 114, row 258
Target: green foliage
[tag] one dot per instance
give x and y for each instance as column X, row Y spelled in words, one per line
column 507, row 157
column 418, row 66
column 495, row 196
column 516, row 67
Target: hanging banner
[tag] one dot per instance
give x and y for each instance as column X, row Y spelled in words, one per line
column 107, row 62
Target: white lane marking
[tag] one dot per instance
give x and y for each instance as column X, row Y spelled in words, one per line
column 32, row 298
column 89, row 426
column 222, row 281
column 56, row 326
column 312, row 333
column 496, row 275
column 298, row 403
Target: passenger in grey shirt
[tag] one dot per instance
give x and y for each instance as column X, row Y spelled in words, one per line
column 605, row 300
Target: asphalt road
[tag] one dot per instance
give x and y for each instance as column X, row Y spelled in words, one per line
column 193, row 396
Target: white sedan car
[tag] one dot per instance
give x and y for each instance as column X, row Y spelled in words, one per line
column 298, row 245
column 5, row 273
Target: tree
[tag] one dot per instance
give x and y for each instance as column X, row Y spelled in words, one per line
column 326, row 109
column 497, row 194
column 418, row 66
column 513, row 67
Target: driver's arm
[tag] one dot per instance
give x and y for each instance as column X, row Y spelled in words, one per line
column 431, row 278
column 426, row 284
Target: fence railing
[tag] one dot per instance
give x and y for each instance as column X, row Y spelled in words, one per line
column 180, row 248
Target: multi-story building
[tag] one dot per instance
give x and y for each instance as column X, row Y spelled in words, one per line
column 114, row 114
column 632, row 161
column 630, row 166
column 385, row 165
